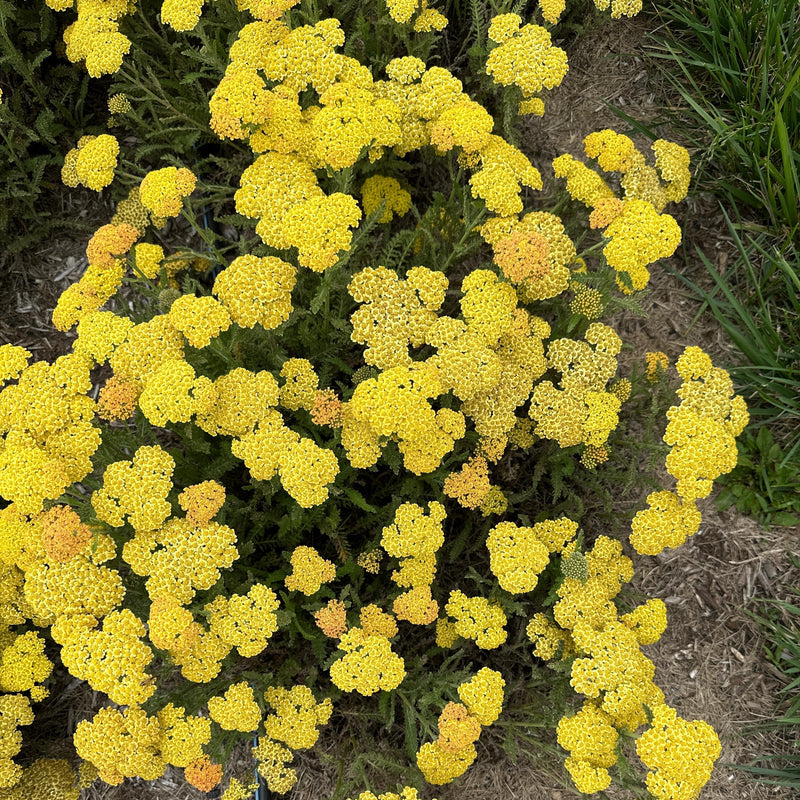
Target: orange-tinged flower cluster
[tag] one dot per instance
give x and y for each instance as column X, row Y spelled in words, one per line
column 331, row 619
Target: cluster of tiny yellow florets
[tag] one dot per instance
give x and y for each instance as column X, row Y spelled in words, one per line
column 525, row 57
column 162, row 190
column 701, row 433
column 460, row 726
column 309, row 571
column 478, row 619
column 95, row 36
column 368, row 665
column 679, row 754
column 91, row 163
column 582, row 409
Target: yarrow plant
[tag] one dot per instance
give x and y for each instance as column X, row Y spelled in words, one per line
column 351, row 456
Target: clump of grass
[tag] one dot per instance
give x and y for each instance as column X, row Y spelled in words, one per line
column 739, row 75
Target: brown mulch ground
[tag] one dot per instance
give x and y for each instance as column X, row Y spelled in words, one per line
column 710, row 662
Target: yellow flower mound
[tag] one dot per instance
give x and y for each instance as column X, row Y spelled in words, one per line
column 517, row 556
column 237, row 709
column 121, row 744
column 369, row 665
column 297, row 716
column 162, row 190
column 245, row 622
column 476, row 618
column 309, row 571
column 590, row 738
column 679, row 754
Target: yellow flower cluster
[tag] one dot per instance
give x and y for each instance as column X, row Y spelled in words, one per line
column 301, row 383
column 91, row 163
column 15, row 711
column 657, row 364
column 95, row 36
column 181, row 557
column 47, row 436
column 414, row 538
column 526, row 56
column 297, row 716
column 23, row 665
column 679, row 754
column 45, row 777
column 591, row 739
column 288, row 216
column 395, row 405
column 394, row 313
column 121, row 744
column 136, row 490
column 162, row 190
column 305, row 468
column 470, row 485
column 617, row 153
column 478, row 619
column 407, row 793
column 271, row 758
column 256, row 290
column 182, row 15
column 368, row 665
column 460, row 726
column 619, row 8
column 309, row 571
column 379, row 190
column 199, row 319
column 517, row 555
column 639, row 237
column 236, row 710
column 111, row 659
column 582, row 410
column 246, row 622
column 702, row 433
